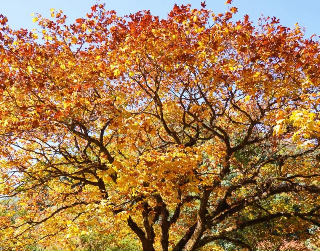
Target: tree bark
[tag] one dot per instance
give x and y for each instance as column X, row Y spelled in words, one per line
column 195, row 238
column 147, row 245
column 200, row 225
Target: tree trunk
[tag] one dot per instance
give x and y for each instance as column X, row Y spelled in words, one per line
column 147, row 245
column 195, row 238
column 165, row 235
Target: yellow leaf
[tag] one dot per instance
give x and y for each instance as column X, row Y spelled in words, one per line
column 74, row 40
column 311, row 125
column 257, row 74
column 111, row 171
column 116, row 72
column 247, row 98
column 278, row 130
column 295, row 136
column 238, row 27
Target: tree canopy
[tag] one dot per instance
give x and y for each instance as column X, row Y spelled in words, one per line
column 182, row 132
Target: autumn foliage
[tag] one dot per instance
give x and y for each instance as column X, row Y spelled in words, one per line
column 186, row 132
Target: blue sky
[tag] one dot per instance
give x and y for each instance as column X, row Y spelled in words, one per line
column 304, row 12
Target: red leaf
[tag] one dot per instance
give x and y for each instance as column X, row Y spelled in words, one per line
column 94, row 8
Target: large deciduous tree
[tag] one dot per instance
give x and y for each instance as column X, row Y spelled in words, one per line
column 182, row 132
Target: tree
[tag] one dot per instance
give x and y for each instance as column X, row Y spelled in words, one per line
column 182, row 132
